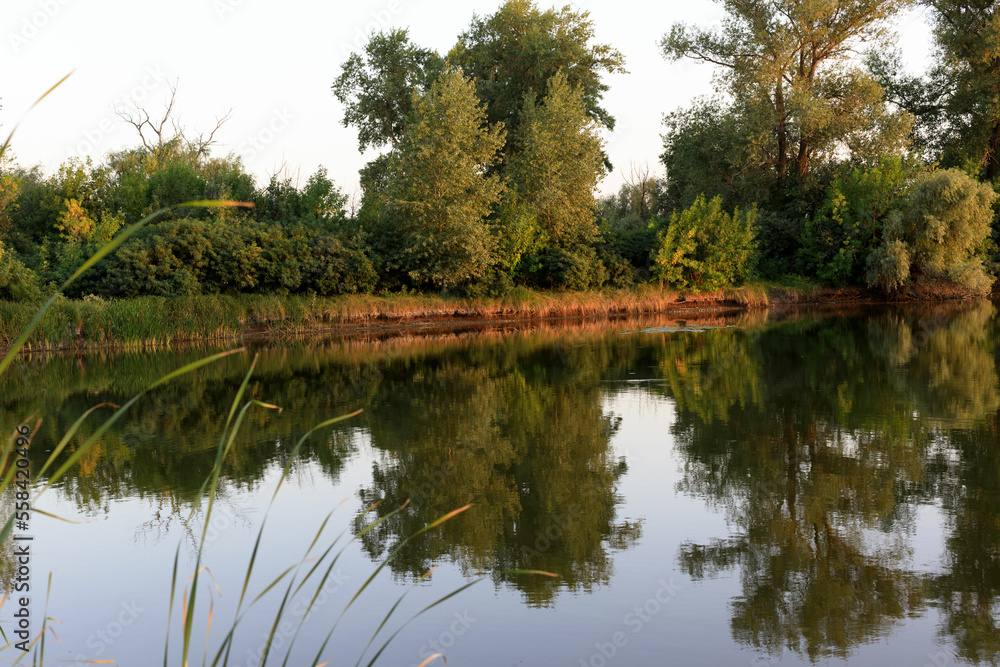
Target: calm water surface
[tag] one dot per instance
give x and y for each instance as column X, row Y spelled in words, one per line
column 804, row 489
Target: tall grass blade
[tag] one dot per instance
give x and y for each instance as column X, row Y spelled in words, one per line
column 70, row 432
column 212, row 482
column 384, row 562
column 420, row 613
column 109, row 422
column 450, row 515
column 170, row 608
column 6, row 144
column 295, row 450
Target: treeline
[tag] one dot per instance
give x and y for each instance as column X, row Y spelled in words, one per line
column 808, row 161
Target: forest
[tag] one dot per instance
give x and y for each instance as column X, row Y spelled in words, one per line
column 815, row 159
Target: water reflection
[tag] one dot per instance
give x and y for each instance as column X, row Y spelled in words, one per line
column 513, row 423
column 821, row 439
column 816, row 439
column 526, row 440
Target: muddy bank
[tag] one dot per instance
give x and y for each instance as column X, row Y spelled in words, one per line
column 159, row 322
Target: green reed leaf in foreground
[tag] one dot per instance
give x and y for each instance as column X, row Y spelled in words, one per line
column 6, row 144
column 109, row 422
column 436, row 603
column 233, row 423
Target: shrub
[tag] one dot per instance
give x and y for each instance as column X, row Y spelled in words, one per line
column 516, row 233
column 836, row 242
column 17, row 282
column 186, row 257
column 176, row 184
column 706, row 248
column 942, row 224
column 778, row 235
column 578, row 269
column 632, row 244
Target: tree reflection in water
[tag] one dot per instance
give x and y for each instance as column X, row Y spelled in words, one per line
column 819, row 437
column 819, row 451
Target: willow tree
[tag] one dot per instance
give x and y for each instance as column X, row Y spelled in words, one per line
column 788, row 66
column 557, row 169
column 439, row 192
column 938, row 232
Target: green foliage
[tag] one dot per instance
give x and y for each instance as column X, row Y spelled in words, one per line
column 797, row 95
column 17, row 282
column 319, row 201
column 621, row 273
column 705, row 152
column 226, row 180
column 81, row 234
column 516, row 233
column 836, row 242
column 189, row 257
column 705, row 247
column 377, row 88
column 514, row 54
column 632, row 245
column 957, row 103
column 9, row 189
column 942, row 223
column 560, row 163
column 778, row 235
column 575, row 269
column 440, row 192
column 640, row 198
column 175, row 184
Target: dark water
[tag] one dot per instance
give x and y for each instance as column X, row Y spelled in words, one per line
column 810, row 488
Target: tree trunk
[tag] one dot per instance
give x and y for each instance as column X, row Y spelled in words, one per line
column 782, row 157
column 993, row 154
column 802, row 161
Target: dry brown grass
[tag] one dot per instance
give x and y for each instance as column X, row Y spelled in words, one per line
column 152, row 321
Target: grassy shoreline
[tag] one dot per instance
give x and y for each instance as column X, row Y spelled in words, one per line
column 158, row 321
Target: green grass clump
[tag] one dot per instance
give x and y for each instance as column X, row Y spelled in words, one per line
column 155, row 321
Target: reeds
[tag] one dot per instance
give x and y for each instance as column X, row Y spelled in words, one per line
column 59, row 321
column 158, row 321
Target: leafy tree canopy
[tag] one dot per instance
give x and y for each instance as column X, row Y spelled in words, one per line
column 376, row 88
column 513, row 54
column 787, row 66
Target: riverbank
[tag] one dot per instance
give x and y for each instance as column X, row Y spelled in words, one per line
column 158, row 321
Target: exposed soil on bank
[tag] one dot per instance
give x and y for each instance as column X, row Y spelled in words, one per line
column 90, row 326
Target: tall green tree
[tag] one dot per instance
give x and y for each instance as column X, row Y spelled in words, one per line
column 957, row 103
column 376, row 88
column 787, row 65
column 967, row 33
column 559, row 165
column 703, row 151
column 513, row 54
column 439, row 192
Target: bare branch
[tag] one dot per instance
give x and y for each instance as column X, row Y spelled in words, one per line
column 140, row 119
column 155, row 134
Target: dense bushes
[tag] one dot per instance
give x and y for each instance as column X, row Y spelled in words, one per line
column 939, row 231
column 187, row 257
column 838, row 240
column 705, row 247
column 17, row 282
column 577, row 269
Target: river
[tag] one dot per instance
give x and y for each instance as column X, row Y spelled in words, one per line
column 807, row 487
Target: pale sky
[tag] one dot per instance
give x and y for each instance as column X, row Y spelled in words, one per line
column 273, row 64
